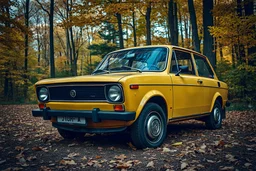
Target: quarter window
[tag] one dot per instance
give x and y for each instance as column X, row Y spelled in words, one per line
column 203, row 67
column 182, row 59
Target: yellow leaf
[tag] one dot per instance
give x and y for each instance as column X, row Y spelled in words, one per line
column 177, row 144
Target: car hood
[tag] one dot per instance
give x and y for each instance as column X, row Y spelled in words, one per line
column 111, row 77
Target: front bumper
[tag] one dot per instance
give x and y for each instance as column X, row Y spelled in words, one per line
column 96, row 114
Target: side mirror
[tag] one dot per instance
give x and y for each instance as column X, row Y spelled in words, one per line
column 183, row 68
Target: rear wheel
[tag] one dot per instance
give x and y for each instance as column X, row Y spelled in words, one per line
column 149, row 130
column 214, row 121
column 69, row 135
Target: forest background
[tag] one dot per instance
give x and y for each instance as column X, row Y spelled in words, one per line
column 60, row 38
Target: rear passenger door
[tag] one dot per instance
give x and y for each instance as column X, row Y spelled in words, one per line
column 187, row 93
column 207, row 79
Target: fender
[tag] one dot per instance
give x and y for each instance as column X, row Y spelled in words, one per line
column 146, row 98
column 216, row 95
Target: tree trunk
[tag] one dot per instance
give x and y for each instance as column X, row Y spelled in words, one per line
column 52, row 64
column 38, row 53
column 73, row 53
column 148, row 24
column 26, row 50
column 173, row 22
column 221, row 52
column 208, row 39
column 6, row 87
column 233, row 57
column 186, row 33
column 249, row 7
column 239, row 8
column 181, row 29
column 239, row 48
column 134, row 29
column 196, row 43
column 6, row 77
column 120, row 30
column 45, row 44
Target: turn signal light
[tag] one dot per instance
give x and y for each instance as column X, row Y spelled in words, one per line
column 134, row 86
column 119, row 108
column 41, row 106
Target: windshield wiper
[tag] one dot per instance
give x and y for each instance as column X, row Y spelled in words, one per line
column 131, row 68
column 100, row 71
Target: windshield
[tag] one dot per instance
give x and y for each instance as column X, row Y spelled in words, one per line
column 139, row 59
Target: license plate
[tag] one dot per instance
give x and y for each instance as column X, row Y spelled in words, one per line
column 71, row 120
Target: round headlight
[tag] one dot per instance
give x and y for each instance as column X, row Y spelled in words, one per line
column 114, row 93
column 43, row 94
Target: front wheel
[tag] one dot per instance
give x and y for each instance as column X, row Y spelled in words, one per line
column 149, row 130
column 214, row 121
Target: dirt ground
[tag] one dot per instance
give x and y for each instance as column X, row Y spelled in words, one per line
column 28, row 143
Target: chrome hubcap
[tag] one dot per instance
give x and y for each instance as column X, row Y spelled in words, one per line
column 217, row 115
column 154, row 126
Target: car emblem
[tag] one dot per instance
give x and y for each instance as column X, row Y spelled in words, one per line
column 72, row 93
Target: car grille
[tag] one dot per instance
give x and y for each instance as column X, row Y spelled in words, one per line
column 77, row 93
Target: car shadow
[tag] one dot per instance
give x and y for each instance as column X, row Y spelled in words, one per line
column 123, row 140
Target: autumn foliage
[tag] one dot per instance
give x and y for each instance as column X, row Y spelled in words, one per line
column 84, row 31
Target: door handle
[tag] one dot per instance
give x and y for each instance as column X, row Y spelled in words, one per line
column 200, row 81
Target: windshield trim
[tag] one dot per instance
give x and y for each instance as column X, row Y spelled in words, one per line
column 117, row 71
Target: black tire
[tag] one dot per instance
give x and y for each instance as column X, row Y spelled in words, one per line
column 214, row 121
column 70, row 135
column 149, row 130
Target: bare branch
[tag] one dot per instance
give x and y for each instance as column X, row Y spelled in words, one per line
column 41, row 5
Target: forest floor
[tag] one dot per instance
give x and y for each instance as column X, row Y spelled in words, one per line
column 29, row 143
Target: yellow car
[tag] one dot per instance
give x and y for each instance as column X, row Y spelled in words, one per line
column 138, row 89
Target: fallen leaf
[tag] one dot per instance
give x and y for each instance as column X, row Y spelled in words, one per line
column 37, row 148
column 200, row 166
column 247, row 164
column 120, row 157
column 253, row 139
column 97, row 165
column 72, row 155
column 166, row 150
column 84, row 158
column 210, row 161
column 150, row 164
column 98, row 157
column 92, row 162
column 22, row 160
column 203, row 146
column 19, row 148
column 132, row 146
column 136, row 162
column 177, row 144
column 112, row 161
column 123, row 166
column 226, row 168
column 230, row 158
column 2, row 161
column 72, row 145
column 67, row 162
column 30, row 158
column 183, row 165
column 52, row 164
column 220, row 143
column 44, row 168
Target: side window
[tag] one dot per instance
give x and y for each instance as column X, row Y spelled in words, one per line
column 183, row 59
column 203, row 68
